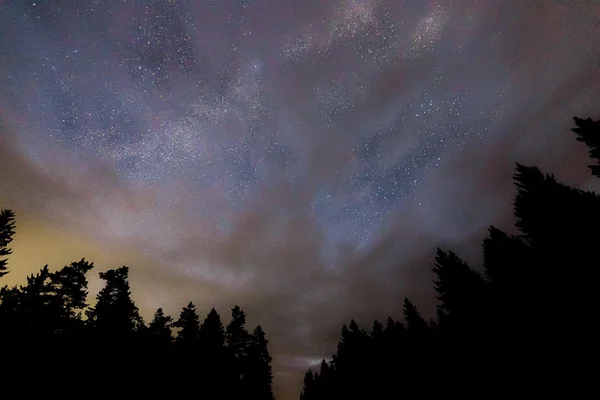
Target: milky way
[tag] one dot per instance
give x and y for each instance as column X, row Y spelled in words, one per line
column 299, row 157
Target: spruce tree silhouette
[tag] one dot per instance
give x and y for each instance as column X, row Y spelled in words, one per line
column 238, row 343
column 188, row 337
column 238, row 338
column 212, row 334
column 187, row 366
column 414, row 321
column 116, row 325
column 324, row 385
column 7, row 230
column 309, row 390
column 159, row 330
column 258, row 379
column 511, row 270
column 157, row 358
column 115, row 316
column 461, row 293
column 214, row 357
column 588, row 132
column 560, row 223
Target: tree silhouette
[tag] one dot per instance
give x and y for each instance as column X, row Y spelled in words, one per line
column 259, row 378
column 47, row 321
column 7, row 230
column 414, row 321
column 588, row 132
column 115, row 318
column 461, row 293
column 212, row 333
column 159, row 330
column 238, row 343
column 309, row 390
column 238, row 338
column 216, row 365
column 188, row 337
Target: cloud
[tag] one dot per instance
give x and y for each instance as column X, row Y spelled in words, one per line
column 301, row 162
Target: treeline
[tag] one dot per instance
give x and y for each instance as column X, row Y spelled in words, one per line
column 525, row 325
column 53, row 343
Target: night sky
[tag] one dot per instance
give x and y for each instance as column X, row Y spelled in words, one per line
column 300, row 158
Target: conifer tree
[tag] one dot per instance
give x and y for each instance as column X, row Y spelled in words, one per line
column 188, row 337
column 259, row 377
column 216, row 367
column 7, row 230
column 460, row 292
column 238, row 343
column 309, row 390
column 115, row 318
column 159, row 330
column 212, row 333
column 588, row 132
column 414, row 321
column 238, row 338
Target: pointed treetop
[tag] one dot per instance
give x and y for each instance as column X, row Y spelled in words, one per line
column 212, row 332
column 413, row 318
column 115, row 311
column 189, row 335
column 588, row 132
column 7, row 230
column 377, row 329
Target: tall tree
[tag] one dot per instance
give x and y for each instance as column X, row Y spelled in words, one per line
column 115, row 318
column 414, row 321
column 159, row 330
column 238, row 338
column 460, row 292
column 588, row 132
column 69, row 285
column 238, row 343
column 326, row 381
column 512, row 273
column 215, row 360
column 560, row 223
column 309, row 390
column 7, row 230
column 259, row 377
column 188, row 337
column 212, row 333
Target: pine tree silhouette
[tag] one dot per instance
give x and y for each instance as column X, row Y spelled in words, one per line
column 214, row 357
column 588, row 132
column 7, row 230
column 414, row 321
column 238, row 343
column 212, row 333
column 115, row 319
column 461, row 293
column 309, row 391
column 160, row 330
column 259, row 378
column 238, row 338
column 324, row 385
column 188, row 337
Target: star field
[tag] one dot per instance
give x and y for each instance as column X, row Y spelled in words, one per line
column 266, row 152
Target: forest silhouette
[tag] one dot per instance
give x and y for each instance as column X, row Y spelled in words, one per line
column 520, row 324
